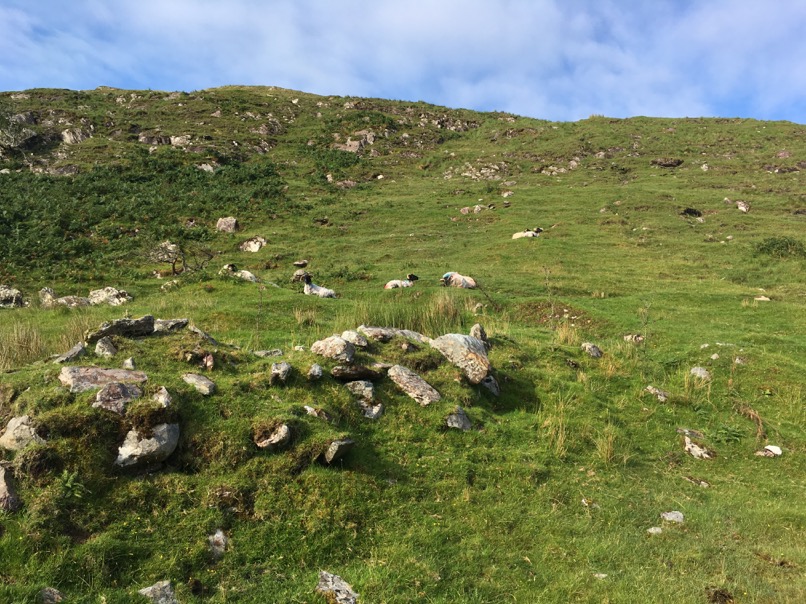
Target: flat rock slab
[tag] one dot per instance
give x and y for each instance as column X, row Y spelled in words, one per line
column 413, row 385
column 169, row 325
column 337, row 449
column 335, row 589
column 76, row 352
column 465, row 352
column 115, row 396
column 127, row 328
column 350, row 373
column 79, row 379
column 199, row 382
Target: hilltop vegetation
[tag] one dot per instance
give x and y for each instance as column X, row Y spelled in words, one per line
column 561, row 474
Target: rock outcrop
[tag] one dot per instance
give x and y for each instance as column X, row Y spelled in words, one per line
column 467, row 353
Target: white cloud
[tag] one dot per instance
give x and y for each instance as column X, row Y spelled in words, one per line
column 554, row 59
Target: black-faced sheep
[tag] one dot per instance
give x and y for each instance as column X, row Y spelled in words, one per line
column 453, row 279
column 315, row 290
column 407, row 282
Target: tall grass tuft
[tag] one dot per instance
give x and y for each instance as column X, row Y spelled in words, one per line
column 20, row 343
column 442, row 313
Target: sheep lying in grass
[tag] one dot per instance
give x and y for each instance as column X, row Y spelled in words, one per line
column 407, row 282
column 315, row 290
column 453, row 279
column 528, row 233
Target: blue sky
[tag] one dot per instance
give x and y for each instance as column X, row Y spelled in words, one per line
column 552, row 59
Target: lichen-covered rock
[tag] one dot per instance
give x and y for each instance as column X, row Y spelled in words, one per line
column 50, row 595
column 336, row 348
column 105, row 348
column 218, row 544
column 413, row 385
column 202, row 384
column 355, row 338
column 364, row 390
column 48, row 299
column 115, row 396
column 337, row 449
column 280, row 373
column 380, row 334
column 170, row 325
column 160, row 593
column 491, row 384
column 478, row 332
column 109, row 295
column 162, row 396
column 228, row 224
column 127, row 328
column 592, row 349
column 139, row 450
column 335, row 589
column 315, row 372
column 467, row 353
column 10, row 297
column 459, row 420
column 76, row 352
column 700, row 373
column 350, row 373
column 79, row 379
column 661, row 395
column 19, row 434
column 279, row 438
column 253, row 245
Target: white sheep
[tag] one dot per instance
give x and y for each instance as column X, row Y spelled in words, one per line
column 453, row 279
column 315, row 290
column 407, row 282
column 528, row 233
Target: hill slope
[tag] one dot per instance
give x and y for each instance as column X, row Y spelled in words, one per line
column 560, row 475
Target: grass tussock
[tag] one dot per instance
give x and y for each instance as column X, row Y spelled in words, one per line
column 21, row 343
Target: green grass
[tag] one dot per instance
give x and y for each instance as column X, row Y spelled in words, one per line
column 414, row 512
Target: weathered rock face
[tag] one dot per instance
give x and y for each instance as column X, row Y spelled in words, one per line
column 162, row 396
column 127, row 328
column 467, row 353
column 335, row 589
column 381, row 334
column 355, row 338
column 227, row 225
column 365, row 393
column 76, row 352
column 350, row 373
column 160, row 593
column 253, row 244
column 10, row 297
column 139, row 450
column 459, row 420
column 9, row 501
column 105, row 348
column 413, row 385
column 315, row 372
column 109, row 295
column 200, row 383
column 79, row 379
column 279, row 438
column 337, row 449
column 115, row 396
column 19, row 434
column 170, row 325
column 335, row 348
column 280, row 373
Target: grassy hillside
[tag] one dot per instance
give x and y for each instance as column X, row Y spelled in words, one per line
column 560, row 476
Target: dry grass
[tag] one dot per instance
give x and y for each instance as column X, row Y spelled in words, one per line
column 566, row 334
column 20, row 343
column 605, row 443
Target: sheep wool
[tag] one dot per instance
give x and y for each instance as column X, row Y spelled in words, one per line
column 407, row 282
column 311, row 289
column 453, row 279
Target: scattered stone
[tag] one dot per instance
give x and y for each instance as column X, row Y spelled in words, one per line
column 467, row 353
column 740, row 361
column 336, row 348
column 743, row 206
column 9, row 501
column 76, row 352
column 115, row 396
column 491, row 384
column 662, row 395
column 300, row 263
column 139, row 450
column 48, row 299
column 415, row 336
column 350, row 373
column 264, row 354
column 478, row 332
column 169, row 285
column 335, row 589
column 19, row 434
column 337, row 449
column 204, row 335
column 218, row 544
column 673, row 516
column 701, row 373
column 654, row 530
column 279, row 438
column 279, row 373
column 170, row 325
column 592, row 349
column 109, row 295
column 355, row 338
column 127, row 328
column 105, row 348
column 299, row 348
column 698, row 451
column 129, row 364
column 162, row 396
column 714, row 356
column 49, row 595
column 459, row 420
column 697, row 481
column 363, row 389
column 315, row 372
column 199, row 382
column 253, row 245
column 634, row 338
column 316, row 412
column 413, row 385
column 160, row 593
column 79, row 379
column 381, row 334
column 10, row 297
column 298, row 276
column 227, row 225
